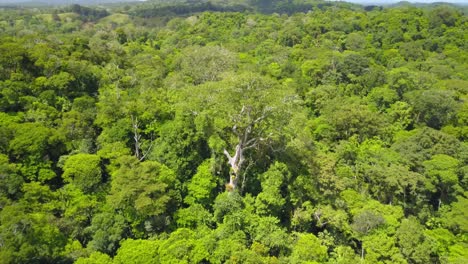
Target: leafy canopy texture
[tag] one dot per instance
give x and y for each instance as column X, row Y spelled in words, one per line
column 222, row 131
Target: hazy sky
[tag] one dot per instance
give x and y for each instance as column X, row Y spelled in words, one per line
column 396, row 1
column 411, row 1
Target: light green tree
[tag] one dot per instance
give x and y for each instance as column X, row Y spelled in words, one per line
column 308, row 249
column 83, row 171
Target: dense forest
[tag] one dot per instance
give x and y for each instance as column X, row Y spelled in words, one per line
column 234, row 132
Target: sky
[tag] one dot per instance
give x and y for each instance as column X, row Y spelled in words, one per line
column 411, row 1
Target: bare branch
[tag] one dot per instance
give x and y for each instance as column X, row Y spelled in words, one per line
column 246, row 134
column 227, row 155
column 136, row 136
column 317, row 215
column 259, row 119
column 236, row 131
column 241, row 161
column 145, row 153
column 253, row 142
column 243, row 175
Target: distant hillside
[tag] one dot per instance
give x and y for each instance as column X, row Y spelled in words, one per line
column 264, row 5
column 61, row 2
column 412, row 2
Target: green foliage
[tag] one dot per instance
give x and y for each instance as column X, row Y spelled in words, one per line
column 10, row 181
column 193, row 216
column 344, row 254
column 200, row 188
column 274, row 183
column 233, row 132
column 180, row 146
column 26, row 230
column 454, row 216
column 413, row 243
column 350, row 117
column 143, row 191
column 442, row 172
column 36, row 147
column 83, row 171
column 182, row 247
column 95, row 258
column 107, row 229
column 434, row 107
column 77, row 210
column 226, row 203
column 307, row 248
column 203, row 64
column 137, row 251
column 421, row 144
column 366, row 221
column 77, row 124
column 381, row 248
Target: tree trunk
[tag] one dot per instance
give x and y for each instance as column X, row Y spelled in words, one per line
column 139, row 153
column 136, row 136
column 362, row 251
column 245, row 141
column 235, row 162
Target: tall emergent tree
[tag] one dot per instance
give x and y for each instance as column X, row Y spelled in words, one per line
column 242, row 112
